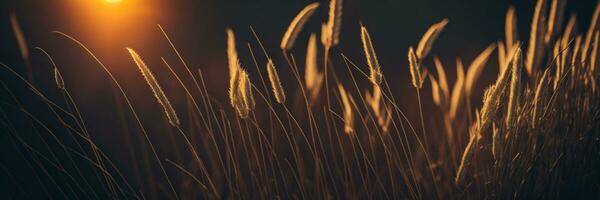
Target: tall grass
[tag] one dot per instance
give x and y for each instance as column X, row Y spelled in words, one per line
column 534, row 136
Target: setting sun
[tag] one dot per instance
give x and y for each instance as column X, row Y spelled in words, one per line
column 113, row 1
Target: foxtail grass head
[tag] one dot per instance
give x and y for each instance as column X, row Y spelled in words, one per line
column 330, row 31
column 376, row 74
column 275, row 82
column 289, row 37
column 156, row 89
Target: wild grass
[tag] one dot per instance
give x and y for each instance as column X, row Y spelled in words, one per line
column 535, row 134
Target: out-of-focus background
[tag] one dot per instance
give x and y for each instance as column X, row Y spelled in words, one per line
column 197, row 28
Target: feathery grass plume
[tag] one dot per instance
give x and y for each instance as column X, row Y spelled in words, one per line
column 489, row 102
column 156, row 89
column 457, row 90
column 559, row 60
column 370, row 99
column 311, row 74
column 374, row 100
column 310, row 70
column 511, row 33
column 466, row 156
column 14, row 22
column 476, row 68
column 385, row 124
column 570, row 30
column 233, row 91
column 429, row 38
column 374, row 68
column 289, row 38
column 575, row 59
column 564, row 53
column 331, row 30
column 246, row 90
column 567, row 37
column 348, row 115
column 247, row 93
column 275, row 82
column 234, row 66
column 443, row 82
column 492, row 99
column 382, row 114
column 435, row 92
column 245, row 97
column 535, row 51
column 312, row 77
column 557, row 10
column 241, row 106
column 540, row 92
column 58, row 79
column 594, row 26
column 314, row 92
column 485, row 117
column 232, row 56
column 241, row 92
column 509, row 53
column 501, row 56
column 415, row 68
column 513, row 98
column 325, row 35
column 495, row 141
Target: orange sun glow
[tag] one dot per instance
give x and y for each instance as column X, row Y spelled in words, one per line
column 113, row 1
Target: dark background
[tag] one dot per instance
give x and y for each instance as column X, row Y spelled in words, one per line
column 198, row 30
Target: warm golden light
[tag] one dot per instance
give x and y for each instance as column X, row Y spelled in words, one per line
column 113, row 1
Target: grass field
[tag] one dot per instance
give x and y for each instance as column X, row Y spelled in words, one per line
column 315, row 124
